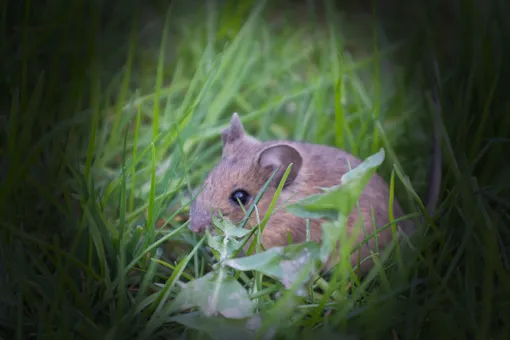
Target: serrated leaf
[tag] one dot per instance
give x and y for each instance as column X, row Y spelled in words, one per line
column 223, row 245
column 229, row 229
column 227, row 244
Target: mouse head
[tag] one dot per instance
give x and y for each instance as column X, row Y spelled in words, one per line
column 245, row 166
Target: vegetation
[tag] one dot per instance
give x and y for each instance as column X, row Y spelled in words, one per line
column 111, row 116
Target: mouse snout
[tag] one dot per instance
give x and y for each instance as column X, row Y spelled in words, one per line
column 199, row 222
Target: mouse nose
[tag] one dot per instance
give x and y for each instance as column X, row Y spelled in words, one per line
column 199, row 222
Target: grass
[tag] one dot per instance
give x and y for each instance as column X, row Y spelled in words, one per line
column 110, row 119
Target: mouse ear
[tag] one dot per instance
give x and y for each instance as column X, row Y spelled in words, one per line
column 281, row 155
column 234, row 132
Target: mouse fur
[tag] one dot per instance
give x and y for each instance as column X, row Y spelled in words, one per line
column 247, row 163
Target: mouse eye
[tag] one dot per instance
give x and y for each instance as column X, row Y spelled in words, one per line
column 240, row 196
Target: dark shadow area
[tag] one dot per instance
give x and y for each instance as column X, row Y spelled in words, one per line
column 70, row 118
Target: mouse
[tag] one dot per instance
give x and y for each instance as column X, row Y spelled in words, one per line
column 247, row 163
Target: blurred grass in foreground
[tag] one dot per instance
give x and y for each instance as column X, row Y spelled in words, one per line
column 108, row 126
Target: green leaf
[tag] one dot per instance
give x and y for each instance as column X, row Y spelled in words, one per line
column 218, row 327
column 229, row 229
column 227, row 244
column 215, row 294
column 283, row 263
column 331, row 233
column 339, row 199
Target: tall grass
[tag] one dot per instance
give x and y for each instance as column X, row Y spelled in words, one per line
column 112, row 116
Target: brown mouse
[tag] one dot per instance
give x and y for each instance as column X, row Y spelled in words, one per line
column 246, row 165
